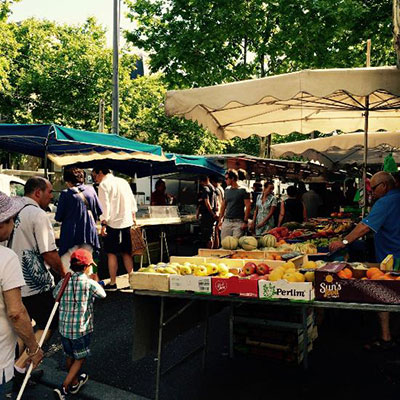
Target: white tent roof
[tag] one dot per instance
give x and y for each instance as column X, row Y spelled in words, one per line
column 304, row 101
column 343, row 149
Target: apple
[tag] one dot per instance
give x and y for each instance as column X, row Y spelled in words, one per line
column 262, row 269
column 263, row 277
column 242, row 274
column 254, row 276
column 249, row 268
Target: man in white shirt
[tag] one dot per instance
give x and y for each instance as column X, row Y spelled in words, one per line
column 34, row 243
column 119, row 210
column 14, row 319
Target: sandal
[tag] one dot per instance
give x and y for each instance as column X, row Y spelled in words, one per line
column 380, row 345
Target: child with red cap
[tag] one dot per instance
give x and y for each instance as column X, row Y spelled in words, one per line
column 76, row 320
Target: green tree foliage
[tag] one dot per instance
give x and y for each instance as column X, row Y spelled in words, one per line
column 52, row 73
column 58, row 74
column 204, row 42
column 143, row 118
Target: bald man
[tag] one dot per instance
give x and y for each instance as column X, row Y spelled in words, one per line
column 384, row 221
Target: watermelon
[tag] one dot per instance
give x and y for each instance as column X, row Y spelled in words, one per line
column 249, row 243
column 268, row 241
column 229, row 243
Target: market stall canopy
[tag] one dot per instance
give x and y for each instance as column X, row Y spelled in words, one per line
column 257, row 167
column 63, row 145
column 177, row 166
column 341, row 150
column 187, row 167
column 305, row 101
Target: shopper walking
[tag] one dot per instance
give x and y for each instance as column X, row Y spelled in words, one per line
column 119, row 214
column 33, row 241
column 76, row 320
column 78, row 210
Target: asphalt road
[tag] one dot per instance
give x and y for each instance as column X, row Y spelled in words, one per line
column 339, row 368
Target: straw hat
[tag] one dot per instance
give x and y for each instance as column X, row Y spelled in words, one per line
column 9, row 206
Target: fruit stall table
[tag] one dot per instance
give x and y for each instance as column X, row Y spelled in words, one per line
column 153, row 314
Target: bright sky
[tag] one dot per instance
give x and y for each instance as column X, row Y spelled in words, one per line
column 71, row 12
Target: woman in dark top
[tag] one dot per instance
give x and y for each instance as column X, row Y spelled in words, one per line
column 292, row 209
column 78, row 210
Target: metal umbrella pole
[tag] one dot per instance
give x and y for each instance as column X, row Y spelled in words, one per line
column 46, row 329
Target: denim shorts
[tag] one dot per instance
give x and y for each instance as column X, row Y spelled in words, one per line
column 77, row 348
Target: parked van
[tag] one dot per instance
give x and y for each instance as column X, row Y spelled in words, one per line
column 12, row 185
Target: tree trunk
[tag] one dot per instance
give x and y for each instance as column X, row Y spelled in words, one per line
column 396, row 29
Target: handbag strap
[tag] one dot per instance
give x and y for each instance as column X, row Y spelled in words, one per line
column 87, row 205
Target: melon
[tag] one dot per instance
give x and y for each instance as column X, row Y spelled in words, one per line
column 248, row 243
column 268, row 241
column 240, row 240
column 229, row 243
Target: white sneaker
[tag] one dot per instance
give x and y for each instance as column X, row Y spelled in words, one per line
column 83, row 378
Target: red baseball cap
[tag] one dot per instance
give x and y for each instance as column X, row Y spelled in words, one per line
column 82, row 257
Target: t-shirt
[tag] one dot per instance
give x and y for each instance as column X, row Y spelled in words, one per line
column 117, row 201
column 159, row 198
column 10, row 278
column 33, row 235
column 384, row 221
column 312, row 201
column 293, row 210
column 207, row 192
column 234, row 199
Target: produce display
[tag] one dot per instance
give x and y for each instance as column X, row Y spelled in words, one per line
column 308, row 230
column 187, row 268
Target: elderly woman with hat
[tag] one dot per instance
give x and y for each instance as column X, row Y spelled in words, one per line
column 14, row 319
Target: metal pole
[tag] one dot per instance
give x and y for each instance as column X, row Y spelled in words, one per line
column 159, row 348
column 46, row 329
column 366, row 116
column 115, row 94
column 101, row 115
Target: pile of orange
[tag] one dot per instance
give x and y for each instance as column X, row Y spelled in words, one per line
column 345, row 273
column 374, row 274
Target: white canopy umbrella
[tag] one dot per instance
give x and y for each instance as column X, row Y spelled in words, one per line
column 344, row 149
column 305, row 101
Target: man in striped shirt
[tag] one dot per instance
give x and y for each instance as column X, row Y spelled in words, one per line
column 76, row 320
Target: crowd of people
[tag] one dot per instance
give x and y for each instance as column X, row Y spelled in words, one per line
column 30, row 260
column 231, row 208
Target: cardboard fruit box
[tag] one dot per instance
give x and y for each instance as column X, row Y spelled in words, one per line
column 243, row 254
column 149, row 281
column 284, row 290
column 234, row 286
column 221, row 253
column 298, row 262
column 190, row 283
column 330, row 287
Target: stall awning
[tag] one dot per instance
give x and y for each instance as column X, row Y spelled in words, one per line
column 344, row 149
column 187, row 167
column 59, row 143
column 305, row 101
